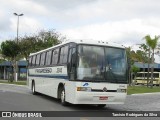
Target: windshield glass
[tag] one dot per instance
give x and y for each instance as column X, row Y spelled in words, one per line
column 115, row 64
column 96, row 63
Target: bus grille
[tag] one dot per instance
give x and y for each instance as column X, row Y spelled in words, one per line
column 99, row 90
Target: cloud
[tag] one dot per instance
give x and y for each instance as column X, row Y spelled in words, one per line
column 63, row 5
column 24, row 6
column 100, row 19
column 76, row 13
column 26, row 25
column 125, row 32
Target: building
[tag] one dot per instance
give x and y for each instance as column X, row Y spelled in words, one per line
column 144, row 66
column 6, row 70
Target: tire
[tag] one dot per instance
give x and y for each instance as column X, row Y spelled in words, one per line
column 62, row 97
column 33, row 89
column 101, row 105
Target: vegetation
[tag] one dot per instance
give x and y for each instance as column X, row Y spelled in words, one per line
column 10, row 49
column 13, row 51
column 152, row 45
column 134, row 70
column 141, row 89
column 144, row 55
column 43, row 40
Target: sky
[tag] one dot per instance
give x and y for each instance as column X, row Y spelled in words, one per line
column 125, row 22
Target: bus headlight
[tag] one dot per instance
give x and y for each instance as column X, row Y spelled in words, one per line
column 121, row 90
column 83, row 89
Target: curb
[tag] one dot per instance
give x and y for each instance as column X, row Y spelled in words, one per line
column 14, row 85
column 146, row 93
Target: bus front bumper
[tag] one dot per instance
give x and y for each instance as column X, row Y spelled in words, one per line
column 99, row 98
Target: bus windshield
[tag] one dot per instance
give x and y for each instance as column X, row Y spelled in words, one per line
column 96, row 63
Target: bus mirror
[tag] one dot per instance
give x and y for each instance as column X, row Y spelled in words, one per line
column 73, row 60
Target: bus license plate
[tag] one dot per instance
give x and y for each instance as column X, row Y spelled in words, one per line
column 103, row 98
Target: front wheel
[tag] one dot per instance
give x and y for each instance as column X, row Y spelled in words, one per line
column 101, row 105
column 63, row 102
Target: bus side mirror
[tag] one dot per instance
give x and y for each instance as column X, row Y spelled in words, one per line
column 73, row 60
column 72, row 67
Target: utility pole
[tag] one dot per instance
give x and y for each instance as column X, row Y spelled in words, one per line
column 16, row 62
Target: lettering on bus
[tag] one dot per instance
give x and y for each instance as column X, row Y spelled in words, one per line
column 59, row 70
column 44, row 70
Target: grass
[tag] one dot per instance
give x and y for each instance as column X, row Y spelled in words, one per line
column 17, row 83
column 141, row 89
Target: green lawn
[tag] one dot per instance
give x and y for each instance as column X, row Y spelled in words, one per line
column 141, row 89
column 17, row 83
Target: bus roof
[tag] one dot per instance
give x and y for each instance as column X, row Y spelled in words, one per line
column 84, row 41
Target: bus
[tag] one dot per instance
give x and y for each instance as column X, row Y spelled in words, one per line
column 80, row 72
column 141, row 78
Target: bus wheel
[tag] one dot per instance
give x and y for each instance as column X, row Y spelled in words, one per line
column 101, row 105
column 63, row 102
column 33, row 88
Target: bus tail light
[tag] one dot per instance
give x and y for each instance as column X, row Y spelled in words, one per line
column 83, row 89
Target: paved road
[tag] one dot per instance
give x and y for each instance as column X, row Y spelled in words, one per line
column 19, row 98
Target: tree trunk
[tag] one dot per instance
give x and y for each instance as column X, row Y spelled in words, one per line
column 148, row 67
column 15, row 69
column 152, row 69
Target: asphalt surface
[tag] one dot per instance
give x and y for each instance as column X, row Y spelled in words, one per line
column 19, row 98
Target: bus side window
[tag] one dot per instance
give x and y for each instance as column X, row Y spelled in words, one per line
column 55, row 56
column 63, row 55
column 37, row 60
column 43, row 56
column 33, row 60
column 48, row 57
column 30, row 61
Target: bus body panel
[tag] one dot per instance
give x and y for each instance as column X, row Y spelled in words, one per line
column 50, row 88
column 92, row 97
column 47, row 83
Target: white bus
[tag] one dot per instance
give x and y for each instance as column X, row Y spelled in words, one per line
column 80, row 72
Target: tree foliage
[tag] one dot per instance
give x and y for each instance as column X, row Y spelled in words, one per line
column 43, row 40
column 136, row 56
column 135, row 69
column 152, row 44
column 10, row 49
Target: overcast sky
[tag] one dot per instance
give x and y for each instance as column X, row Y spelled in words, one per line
column 122, row 21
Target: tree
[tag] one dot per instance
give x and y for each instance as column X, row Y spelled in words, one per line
column 146, row 50
column 43, row 40
column 27, row 45
column 134, row 70
column 138, row 56
column 49, row 38
column 152, row 44
column 10, row 49
column 30, row 44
